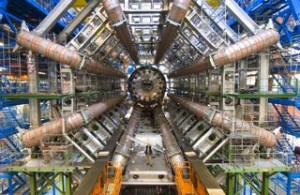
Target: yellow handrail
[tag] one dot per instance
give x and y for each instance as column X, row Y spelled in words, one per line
column 110, row 181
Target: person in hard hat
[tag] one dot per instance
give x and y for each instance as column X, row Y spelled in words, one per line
column 148, row 153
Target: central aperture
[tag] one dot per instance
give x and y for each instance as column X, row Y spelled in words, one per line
column 147, row 86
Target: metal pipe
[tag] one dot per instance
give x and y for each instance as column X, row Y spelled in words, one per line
column 232, row 53
column 225, row 121
column 122, row 151
column 175, row 17
column 71, row 122
column 172, row 148
column 117, row 17
column 64, row 55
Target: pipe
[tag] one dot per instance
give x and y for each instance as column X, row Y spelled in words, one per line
column 71, row 122
column 175, row 17
column 172, row 148
column 232, row 53
column 122, row 151
column 64, row 55
column 225, row 121
column 117, row 17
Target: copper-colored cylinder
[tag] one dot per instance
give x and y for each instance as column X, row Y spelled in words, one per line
column 72, row 122
column 113, row 10
column 226, row 121
column 173, row 150
column 123, row 149
column 232, row 53
column 116, row 16
column 179, row 10
column 168, row 35
column 126, row 39
column 64, row 55
column 176, row 16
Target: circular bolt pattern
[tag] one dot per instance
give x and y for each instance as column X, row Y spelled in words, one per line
column 147, row 87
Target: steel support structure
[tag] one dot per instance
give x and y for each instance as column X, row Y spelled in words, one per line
column 241, row 16
column 51, row 19
column 260, row 183
column 264, row 66
column 39, row 182
column 95, row 173
column 33, row 77
column 77, row 20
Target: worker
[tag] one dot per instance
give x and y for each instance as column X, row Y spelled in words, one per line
column 148, row 153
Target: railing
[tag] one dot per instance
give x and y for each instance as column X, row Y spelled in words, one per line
column 111, row 180
column 183, row 180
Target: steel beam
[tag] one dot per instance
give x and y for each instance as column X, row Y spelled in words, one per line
column 264, row 69
column 64, row 55
column 68, row 183
column 230, row 183
column 72, row 122
column 226, row 121
column 265, row 183
column 32, row 183
column 175, row 17
column 51, row 19
column 117, row 18
column 33, row 79
column 242, row 17
column 77, row 20
column 231, row 54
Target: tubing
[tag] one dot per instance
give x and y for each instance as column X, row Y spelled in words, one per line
column 225, row 121
column 64, row 55
column 116, row 16
column 72, row 122
column 175, row 17
column 172, row 148
column 122, row 151
column 232, row 53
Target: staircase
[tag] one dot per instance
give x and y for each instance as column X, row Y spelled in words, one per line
column 285, row 147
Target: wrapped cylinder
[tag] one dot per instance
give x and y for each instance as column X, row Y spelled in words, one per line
column 113, row 10
column 64, row 55
column 71, row 122
column 232, row 53
column 116, row 16
column 172, row 148
column 122, row 151
column 179, row 10
column 175, row 17
column 225, row 121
